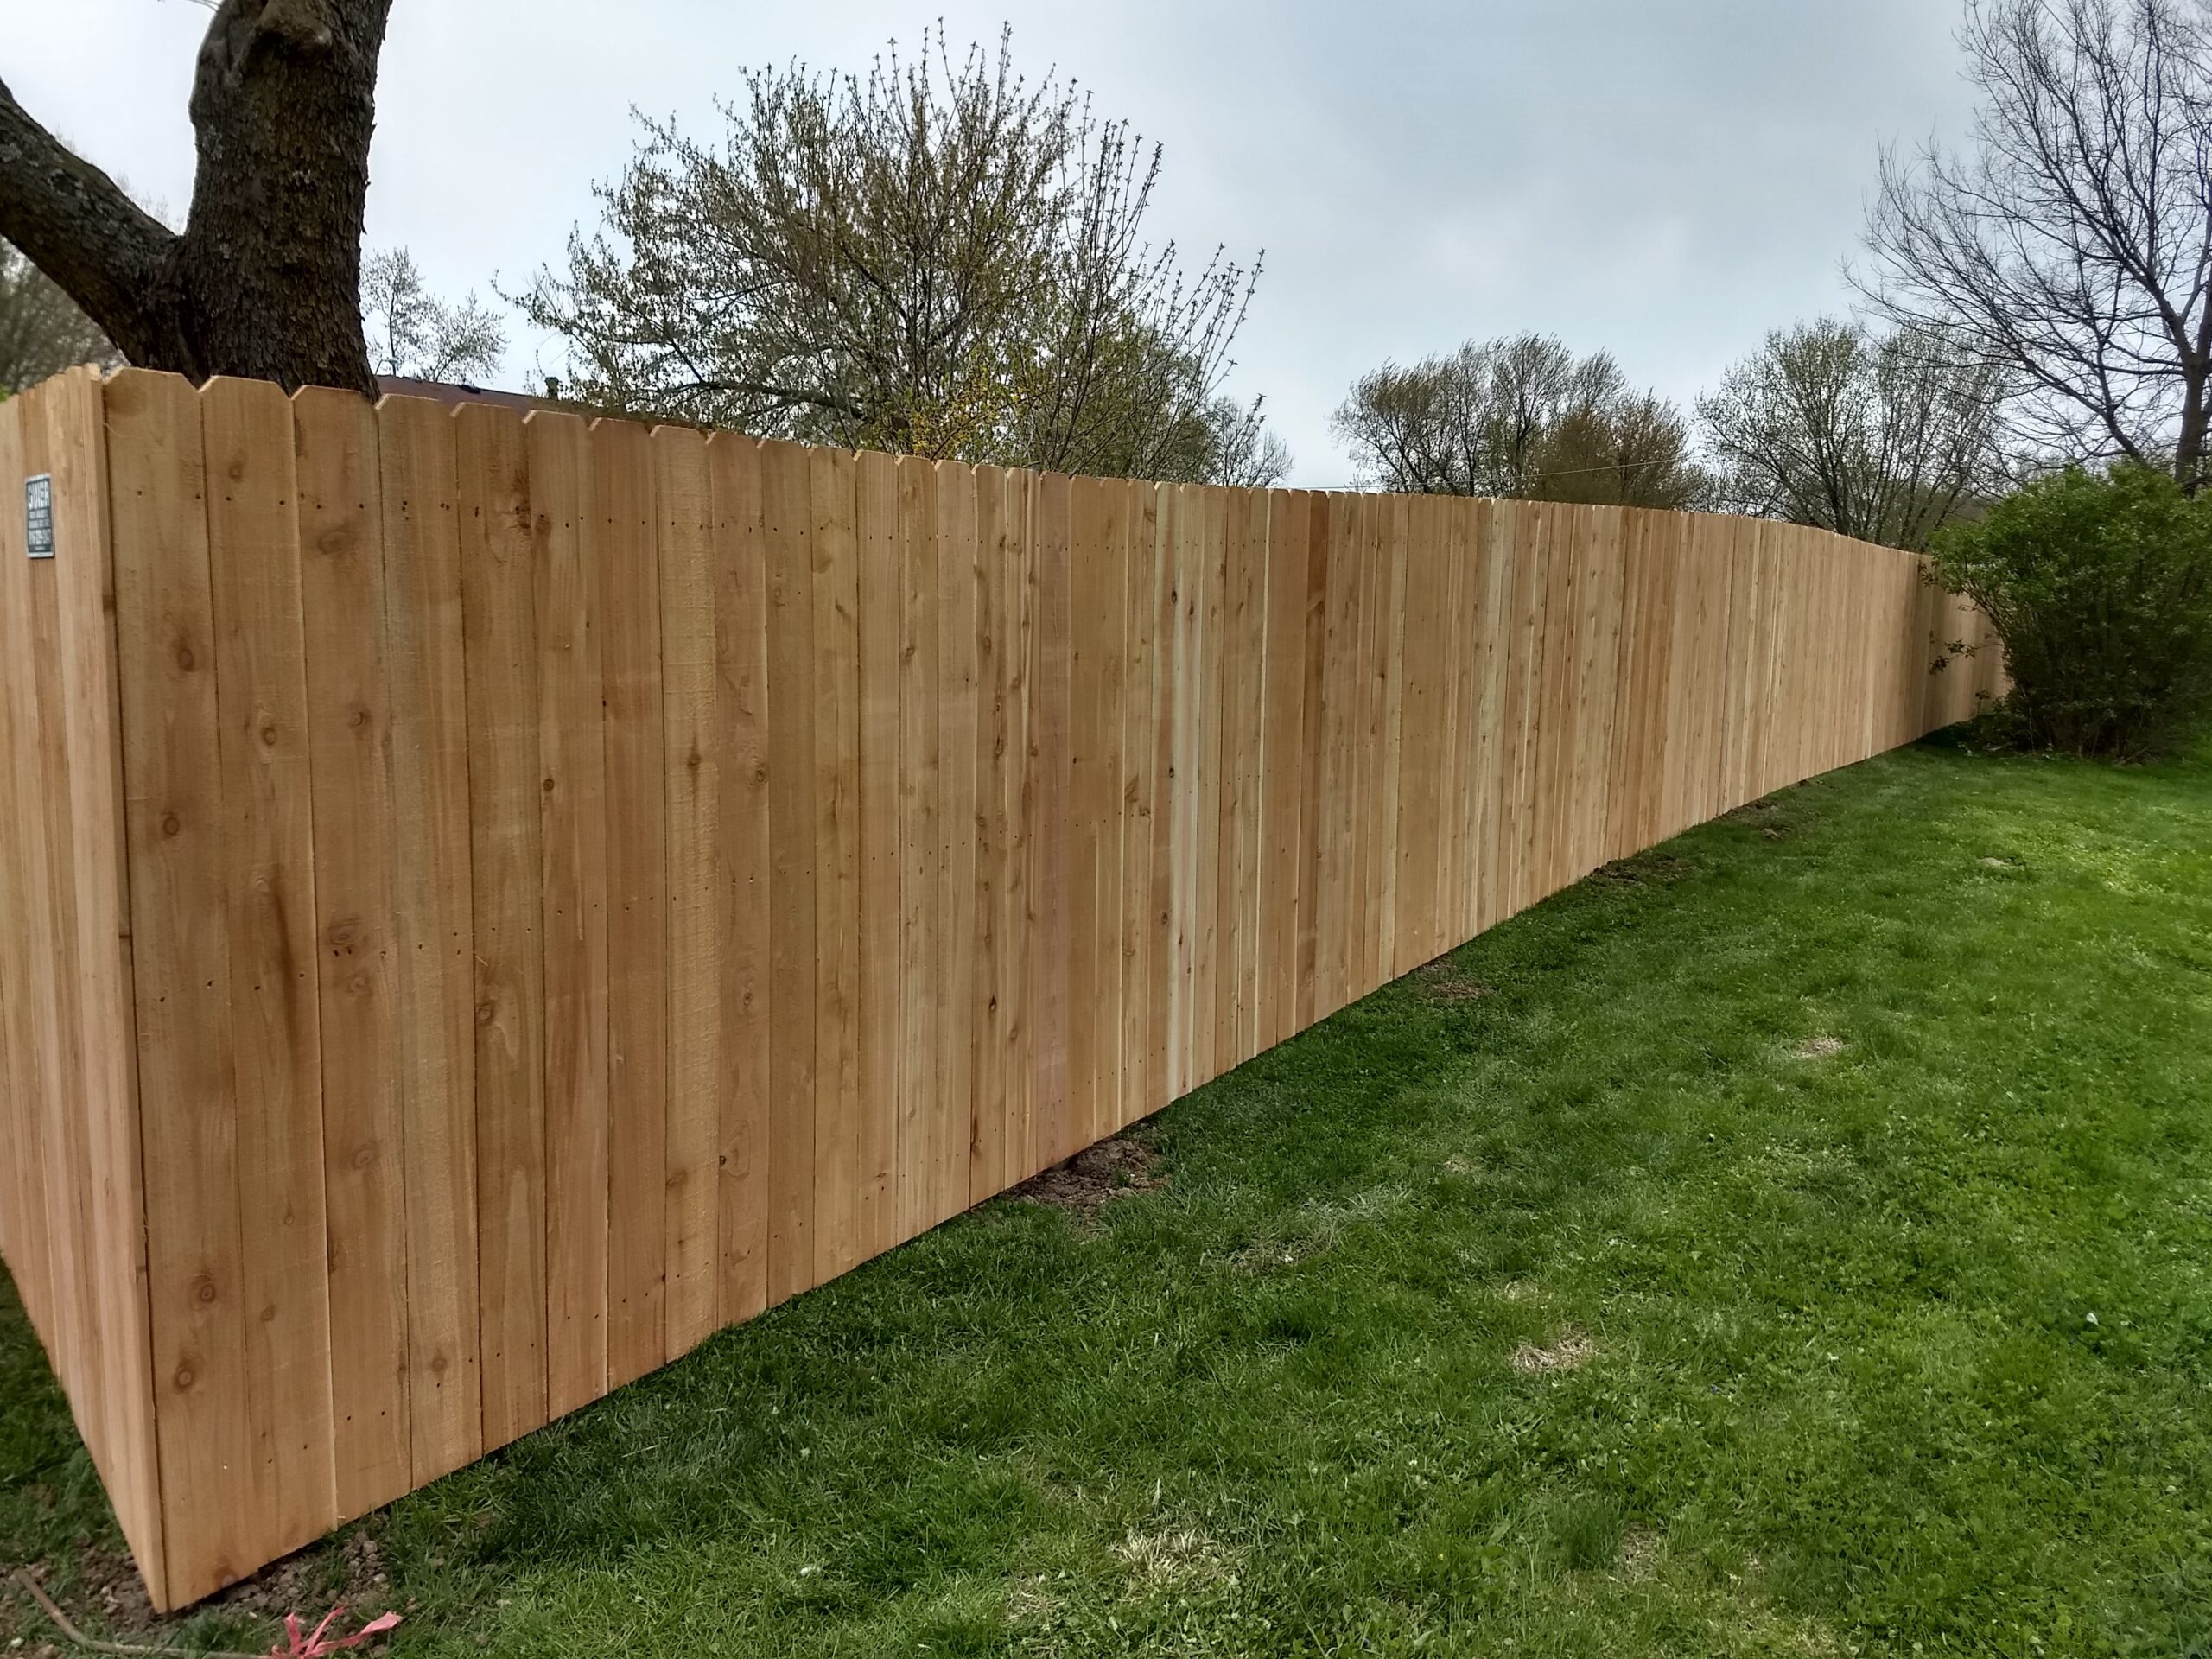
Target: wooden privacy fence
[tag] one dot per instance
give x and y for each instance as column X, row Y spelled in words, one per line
column 487, row 902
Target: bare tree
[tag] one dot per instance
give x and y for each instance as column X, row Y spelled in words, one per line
column 936, row 257
column 264, row 279
column 1885, row 439
column 2069, row 248
column 412, row 332
column 41, row 330
column 1520, row 417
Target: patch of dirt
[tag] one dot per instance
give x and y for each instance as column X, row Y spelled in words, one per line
column 1763, row 815
column 1819, row 1048
column 1570, row 1351
column 1645, row 869
column 1443, row 984
column 1095, row 1177
column 108, row 1600
column 302, row 1583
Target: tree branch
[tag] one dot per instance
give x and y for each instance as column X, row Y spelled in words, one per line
column 75, row 224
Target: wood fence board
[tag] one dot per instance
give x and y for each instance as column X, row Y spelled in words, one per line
column 1370, row 842
column 1422, row 737
column 67, row 1298
column 72, row 1143
column 434, row 987
column 1462, row 832
column 572, row 760
column 1157, row 1047
column 32, row 1076
column 1390, row 961
column 984, row 1160
column 1017, row 784
column 626, row 613
column 500, row 630
column 745, row 862
column 1050, row 919
column 268, row 878
column 1243, row 642
column 1139, row 796
column 176, row 831
column 1494, row 604
column 959, row 794
column 1598, row 733
column 1183, row 510
column 1282, row 757
column 1334, row 859
column 1313, row 648
column 1209, row 964
column 921, row 1148
column 837, row 1129
column 1096, row 570
column 693, row 756
column 117, row 1410
column 786, row 519
column 876, row 1139
column 340, row 581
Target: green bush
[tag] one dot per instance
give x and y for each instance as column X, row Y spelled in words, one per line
column 2100, row 588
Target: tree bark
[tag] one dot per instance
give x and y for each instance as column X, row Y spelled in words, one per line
column 265, row 280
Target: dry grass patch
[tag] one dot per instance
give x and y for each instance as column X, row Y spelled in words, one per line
column 1639, row 1555
column 1819, row 1048
column 1174, row 1559
column 1570, row 1349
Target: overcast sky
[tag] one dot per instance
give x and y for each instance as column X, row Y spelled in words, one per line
column 1662, row 179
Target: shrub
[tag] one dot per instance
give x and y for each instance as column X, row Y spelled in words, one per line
column 2100, row 588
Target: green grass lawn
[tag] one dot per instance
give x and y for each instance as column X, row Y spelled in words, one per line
column 1794, row 1240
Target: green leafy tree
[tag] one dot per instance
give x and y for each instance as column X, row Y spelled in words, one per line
column 938, row 258
column 2099, row 587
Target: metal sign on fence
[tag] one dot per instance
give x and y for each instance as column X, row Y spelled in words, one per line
column 38, row 515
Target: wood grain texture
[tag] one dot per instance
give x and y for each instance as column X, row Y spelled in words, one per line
column 786, row 517
column 117, row 1413
column 269, row 882
column 425, row 664
column 627, row 611
column 341, row 584
column 693, row 756
column 586, row 884
column 499, row 635
column 876, row 1147
column 744, row 1099
column 565, row 553
column 921, row 1149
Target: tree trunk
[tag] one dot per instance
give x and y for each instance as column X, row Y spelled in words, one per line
column 265, row 280
column 2188, row 444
